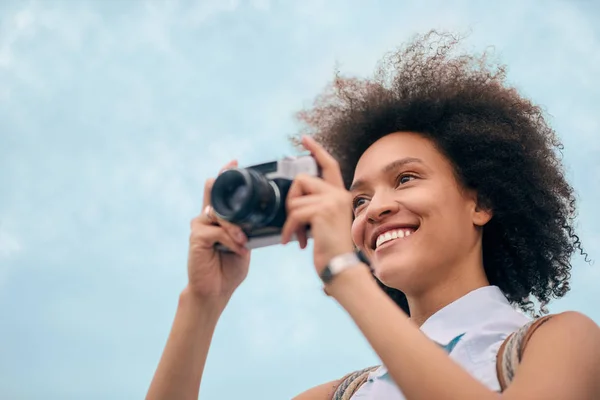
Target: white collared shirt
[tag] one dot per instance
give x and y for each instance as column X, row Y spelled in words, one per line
column 471, row 329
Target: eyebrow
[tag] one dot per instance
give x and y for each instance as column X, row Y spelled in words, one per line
column 387, row 169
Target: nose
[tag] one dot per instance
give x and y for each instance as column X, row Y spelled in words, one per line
column 380, row 207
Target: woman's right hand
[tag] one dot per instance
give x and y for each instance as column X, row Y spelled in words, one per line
column 214, row 275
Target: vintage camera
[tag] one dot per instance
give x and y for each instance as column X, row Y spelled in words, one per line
column 254, row 197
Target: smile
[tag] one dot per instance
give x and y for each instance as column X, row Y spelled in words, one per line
column 393, row 235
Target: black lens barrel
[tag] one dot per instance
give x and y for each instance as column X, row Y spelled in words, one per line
column 244, row 196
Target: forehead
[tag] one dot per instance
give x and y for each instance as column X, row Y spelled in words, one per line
column 395, row 146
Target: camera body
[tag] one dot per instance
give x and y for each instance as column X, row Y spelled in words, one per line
column 254, row 198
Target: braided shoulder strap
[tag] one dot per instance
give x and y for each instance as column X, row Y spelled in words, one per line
column 351, row 383
column 512, row 349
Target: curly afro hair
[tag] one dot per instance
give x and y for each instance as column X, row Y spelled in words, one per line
column 498, row 142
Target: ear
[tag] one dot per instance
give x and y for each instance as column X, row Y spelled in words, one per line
column 481, row 212
column 481, row 215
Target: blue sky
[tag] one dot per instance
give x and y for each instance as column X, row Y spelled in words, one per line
column 112, row 115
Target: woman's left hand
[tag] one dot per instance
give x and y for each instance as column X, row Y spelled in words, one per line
column 322, row 203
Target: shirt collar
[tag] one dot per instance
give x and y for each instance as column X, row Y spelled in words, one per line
column 447, row 326
column 464, row 314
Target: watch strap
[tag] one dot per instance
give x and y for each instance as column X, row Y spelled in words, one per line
column 341, row 263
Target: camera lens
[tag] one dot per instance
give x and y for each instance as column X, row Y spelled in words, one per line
column 244, row 196
column 237, row 198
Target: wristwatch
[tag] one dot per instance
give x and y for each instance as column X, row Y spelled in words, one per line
column 342, row 262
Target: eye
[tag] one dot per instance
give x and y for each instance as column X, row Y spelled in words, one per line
column 405, row 178
column 358, row 202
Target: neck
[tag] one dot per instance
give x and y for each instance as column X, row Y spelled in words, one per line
column 426, row 303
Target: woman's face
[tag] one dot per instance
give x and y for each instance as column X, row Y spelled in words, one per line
column 412, row 219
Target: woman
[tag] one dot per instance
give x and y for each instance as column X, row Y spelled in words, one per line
column 461, row 205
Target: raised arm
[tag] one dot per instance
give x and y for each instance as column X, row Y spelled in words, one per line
column 213, row 276
column 181, row 366
column 562, row 359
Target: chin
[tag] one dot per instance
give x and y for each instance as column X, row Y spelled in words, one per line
column 394, row 271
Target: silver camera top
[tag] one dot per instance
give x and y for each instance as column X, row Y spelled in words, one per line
column 290, row 166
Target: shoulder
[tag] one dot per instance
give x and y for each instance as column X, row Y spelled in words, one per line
column 561, row 358
column 569, row 329
column 576, row 319
column 324, row 391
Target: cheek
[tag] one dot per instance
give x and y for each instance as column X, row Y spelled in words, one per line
column 358, row 232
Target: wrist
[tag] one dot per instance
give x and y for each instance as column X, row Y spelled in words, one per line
column 349, row 281
column 209, row 308
column 342, row 262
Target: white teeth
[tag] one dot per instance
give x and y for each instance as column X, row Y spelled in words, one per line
column 390, row 235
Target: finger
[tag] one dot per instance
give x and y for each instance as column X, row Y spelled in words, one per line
column 303, row 201
column 297, row 220
column 230, row 164
column 302, row 238
column 207, row 189
column 234, row 231
column 303, row 185
column 299, row 202
column 207, row 236
column 329, row 166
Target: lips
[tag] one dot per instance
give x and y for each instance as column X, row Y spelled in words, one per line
column 389, row 232
column 393, row 235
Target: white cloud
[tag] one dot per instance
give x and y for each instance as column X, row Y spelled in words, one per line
column 11, row 30
column 263, row 5
column 32, row 22
column 10, row 245
column 23, row 19
column 204, row 10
